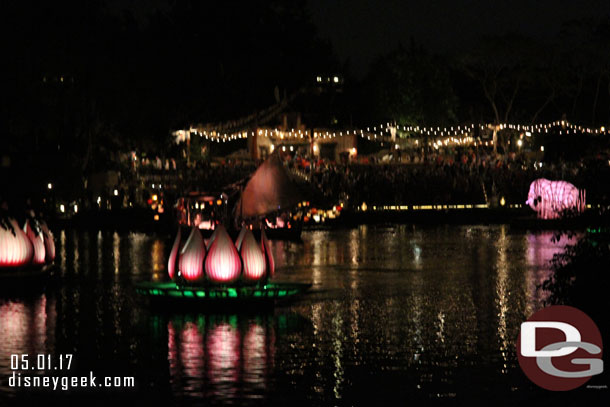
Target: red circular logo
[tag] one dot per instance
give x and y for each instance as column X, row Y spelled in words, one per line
column 560, row 348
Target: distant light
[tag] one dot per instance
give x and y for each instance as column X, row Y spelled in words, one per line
column 291, row 148
column 155, row 197
column 315, row 148
column 156, row 217
column 363, row 206
column 603, row 128
column 319, row 79
column 99, row 200
column 219, row 202
column 153, row 186
column 354, row 150
column 75, row 208
column 519, row 142
column 397, row 146
column 62, row 208
column 272, row 147
column 528, row 133
column 50, row 186
column 541, row 148
column 502, row 201
column 116, row 192
column 283, row 148
column 336, row 79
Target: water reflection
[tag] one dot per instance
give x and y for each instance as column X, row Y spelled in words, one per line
column 26, row 327
column 541, row 247
column 418, row 312
column 223, row 357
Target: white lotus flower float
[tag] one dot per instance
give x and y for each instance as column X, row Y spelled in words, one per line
column 27, row 246
column 223, row 261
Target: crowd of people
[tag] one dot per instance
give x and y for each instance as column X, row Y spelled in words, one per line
column 444, row 176
column 461, row 177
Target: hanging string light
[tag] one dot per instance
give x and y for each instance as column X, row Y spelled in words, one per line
column 384, row 132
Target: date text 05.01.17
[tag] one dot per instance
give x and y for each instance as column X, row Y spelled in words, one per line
column 41, row 362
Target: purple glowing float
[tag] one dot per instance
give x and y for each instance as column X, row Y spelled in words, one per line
column 550, row 199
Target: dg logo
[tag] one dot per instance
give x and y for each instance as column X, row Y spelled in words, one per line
column 560, row 348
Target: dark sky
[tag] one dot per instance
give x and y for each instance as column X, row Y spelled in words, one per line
column 360, row 30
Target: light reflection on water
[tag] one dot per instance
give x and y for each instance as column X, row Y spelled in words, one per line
column 417, row 312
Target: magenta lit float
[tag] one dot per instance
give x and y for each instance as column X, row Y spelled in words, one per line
column 551, row 199
column 222, row 275
column 223, row 262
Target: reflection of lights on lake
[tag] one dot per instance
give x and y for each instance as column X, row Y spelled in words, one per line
column 116, row 251
column 23, row 330
column 502, row 270
column 416, row 253
column 540, row 251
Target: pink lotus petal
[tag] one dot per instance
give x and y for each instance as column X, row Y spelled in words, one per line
column 240, row 238
column 223, row 264
column 253, row 258
column 268, row 253
column 49, row 242
column 173, row 256
column 37, row 242
column 191, row 257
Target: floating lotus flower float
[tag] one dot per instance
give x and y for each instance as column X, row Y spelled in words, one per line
column 221, row 269
column 25, row 250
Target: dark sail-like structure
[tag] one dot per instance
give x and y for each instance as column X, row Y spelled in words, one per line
column 269, row 189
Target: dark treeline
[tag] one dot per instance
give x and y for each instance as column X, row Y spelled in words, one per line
column 84, row 80
column 506, row 78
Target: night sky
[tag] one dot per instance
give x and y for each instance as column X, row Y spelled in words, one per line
column 361, row 30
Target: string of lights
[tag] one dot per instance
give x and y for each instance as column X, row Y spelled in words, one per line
column 389, row 132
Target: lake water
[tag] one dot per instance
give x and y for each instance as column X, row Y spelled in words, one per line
column 401, row 313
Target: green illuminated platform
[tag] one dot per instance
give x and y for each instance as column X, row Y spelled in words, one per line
column 268, row 293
